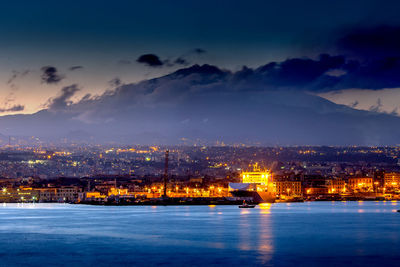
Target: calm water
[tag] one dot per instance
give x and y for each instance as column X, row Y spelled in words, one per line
column 305, row 234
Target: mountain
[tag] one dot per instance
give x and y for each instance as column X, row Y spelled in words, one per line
column 206, row 104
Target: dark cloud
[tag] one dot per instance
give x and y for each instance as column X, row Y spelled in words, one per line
column 299, row 72
column 50, row 75
column 14, row 76
column 381, row 41
column 372, row 59
column 185, row 59
column 75, row 68
column 199, row 51
column 373, row 74
column 377, row 107
column 151, row 60
column 14, row 108
column 63, row 100
column 354, row 104
column 86, row 97
column 181, row 61
column 115, row 82
column 327, row 73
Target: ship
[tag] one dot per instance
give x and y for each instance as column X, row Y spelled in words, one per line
column 256, row 186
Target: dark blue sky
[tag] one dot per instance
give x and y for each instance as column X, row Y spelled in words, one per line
column 257, row 30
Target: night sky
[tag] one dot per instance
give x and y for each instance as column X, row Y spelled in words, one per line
column 163, row 71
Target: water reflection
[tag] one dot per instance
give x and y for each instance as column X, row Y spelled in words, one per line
column 265, row 239
column 244, row 211
column 265, row 208
column 245, row 229
column 255, row 232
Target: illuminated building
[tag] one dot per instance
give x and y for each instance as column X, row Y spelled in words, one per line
column 48, row 194
column 288, row 188
column 364, row 184
column 67, row 193
column 11, row 195
column 91, row 196
column 117, row 191
column 336, row 186
column 392, row 180
column 256, row 176
column 310, row 191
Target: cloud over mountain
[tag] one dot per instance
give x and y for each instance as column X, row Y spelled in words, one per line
column 62, row 101
column 272, row 104
column 13, row 108
column 150, row 60
column 206, row 104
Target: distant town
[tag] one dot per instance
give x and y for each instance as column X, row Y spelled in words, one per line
column 141, row 175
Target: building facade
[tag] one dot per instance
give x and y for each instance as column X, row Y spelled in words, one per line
column 363, row 184
column 336, row 186
column 391, row 180
column 288, row 188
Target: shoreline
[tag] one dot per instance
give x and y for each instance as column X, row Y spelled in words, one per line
column 190, row 203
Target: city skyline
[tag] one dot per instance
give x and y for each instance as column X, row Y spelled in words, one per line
column 200, row 133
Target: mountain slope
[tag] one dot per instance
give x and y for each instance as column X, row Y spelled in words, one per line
column 204, row 103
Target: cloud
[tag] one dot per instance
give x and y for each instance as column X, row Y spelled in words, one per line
column 374, row 74
column 63, row 100
column 181, row 61
column 372, row 59
column 372, row 42
column 75, row 68
column 14, row 76
column 302, row 73
column 50, row 75
column 327, row 73
column 115, row 82
column 150, row 60
column 14, row 108
column 184, row 60
column 354, row 104
column 377, row 107
column 199, row 51
column 153, row 60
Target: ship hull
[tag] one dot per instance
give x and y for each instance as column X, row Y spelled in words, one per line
column 258, row 197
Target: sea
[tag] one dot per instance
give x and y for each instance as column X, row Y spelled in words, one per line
column 281, row 234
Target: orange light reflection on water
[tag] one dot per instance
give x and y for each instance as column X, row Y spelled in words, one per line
column 265, row 208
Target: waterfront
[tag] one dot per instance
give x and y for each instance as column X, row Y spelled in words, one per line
column 281, row 234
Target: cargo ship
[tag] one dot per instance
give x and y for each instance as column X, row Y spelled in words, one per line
column 256, row 186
